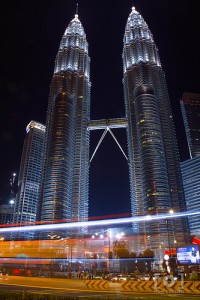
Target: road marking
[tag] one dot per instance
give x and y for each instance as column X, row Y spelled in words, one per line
column 57, row 288
column 37, row 286
column 41, row 292
column 96, row 284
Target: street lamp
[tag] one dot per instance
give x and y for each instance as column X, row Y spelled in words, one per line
column 101, row 236
column 55, row 236
column 168, row 235
column 119, row 235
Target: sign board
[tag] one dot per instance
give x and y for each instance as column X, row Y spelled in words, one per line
column 188, row 255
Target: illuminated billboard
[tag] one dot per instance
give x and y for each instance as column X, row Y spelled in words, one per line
column 188, row 255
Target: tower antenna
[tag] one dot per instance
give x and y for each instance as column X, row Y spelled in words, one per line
column 76, row 8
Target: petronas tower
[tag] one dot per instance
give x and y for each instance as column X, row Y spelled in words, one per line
column 155, row 180
column 65, row 179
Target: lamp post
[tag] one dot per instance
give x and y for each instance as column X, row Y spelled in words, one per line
column 118, row 236
column 121, row 251
column 52, row 247
column 69, row 251
column 109, row 252
column 70, row 257
column 168, row 234
column 108, row 235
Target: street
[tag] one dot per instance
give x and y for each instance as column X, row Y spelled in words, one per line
column 76, row 287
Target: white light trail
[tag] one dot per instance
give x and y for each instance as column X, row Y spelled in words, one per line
column 147, row 218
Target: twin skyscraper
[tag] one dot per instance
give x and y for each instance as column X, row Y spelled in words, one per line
column 54, row 185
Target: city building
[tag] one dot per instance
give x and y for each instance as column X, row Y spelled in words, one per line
column 26, row 203
column 190, row 107
column 6, row 213
column 64, row 186
column 7, row 208
column 155, row 176
column 61, row 155
column 191, row 183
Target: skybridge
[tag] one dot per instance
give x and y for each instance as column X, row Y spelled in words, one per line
column 107, row 125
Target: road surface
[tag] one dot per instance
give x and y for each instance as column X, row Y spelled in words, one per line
column 77, row 287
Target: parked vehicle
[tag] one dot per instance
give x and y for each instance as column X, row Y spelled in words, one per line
column 145, row 277
column 98, row 277
column 109, row 276
column 132, row 277
column 119, row 278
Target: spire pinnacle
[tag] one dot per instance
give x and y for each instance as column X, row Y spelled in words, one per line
column 76, row 15
column 134, row 11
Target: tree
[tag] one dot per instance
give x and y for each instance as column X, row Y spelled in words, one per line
column 120, row 250
column 148, row 253
column 133, row 255
column 140, row 255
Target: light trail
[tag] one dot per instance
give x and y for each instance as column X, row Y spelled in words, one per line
column 147, row 218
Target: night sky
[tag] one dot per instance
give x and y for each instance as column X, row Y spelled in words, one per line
column 30, row 35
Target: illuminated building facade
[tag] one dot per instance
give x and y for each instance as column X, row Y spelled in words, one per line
column 191, row 179
column 66, row 157
column 25, row 208
column 155, row 179
column 6, row 213
column 190, row 107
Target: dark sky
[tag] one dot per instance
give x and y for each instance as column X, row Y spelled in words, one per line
column 30, row 35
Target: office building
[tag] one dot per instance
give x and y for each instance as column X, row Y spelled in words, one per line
column 6, row 213
column 190, row 107
column 155, row 177
column 66, row 156
column 191, row 183
column 26, row 203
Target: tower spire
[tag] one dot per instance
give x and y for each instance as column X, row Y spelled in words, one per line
column 76, row 8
